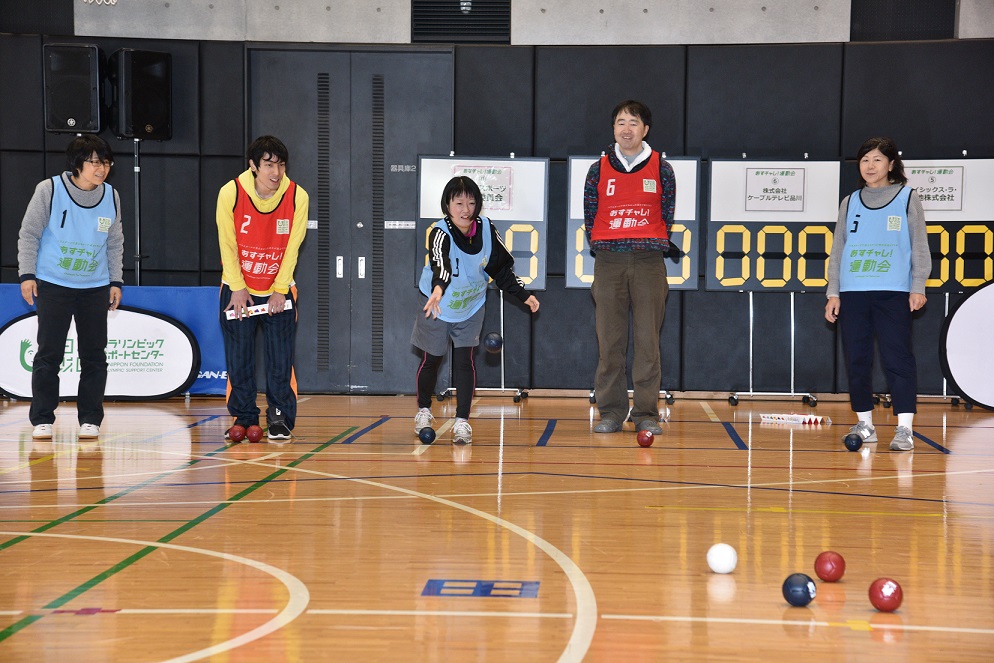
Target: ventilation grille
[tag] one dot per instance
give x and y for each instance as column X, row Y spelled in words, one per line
column 902, row 20
column 377, row 218
column 324, row 223
column 461, row 21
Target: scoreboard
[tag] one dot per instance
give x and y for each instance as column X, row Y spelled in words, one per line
column 515, row 199
column 771, row 224
column 958, row 197
column 681, row 271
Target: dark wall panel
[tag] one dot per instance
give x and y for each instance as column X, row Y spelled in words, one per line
column 558, row 211
column 576, row 88
column 893, row 20
column 933, row 98
column 716, row 341
column 488, row 124
column 54, row 17
column 222, row 107
column 765, row 100
column 20, row 172
column 214, row 173
column 170, row 225
column 517, row 352
column 22, row 119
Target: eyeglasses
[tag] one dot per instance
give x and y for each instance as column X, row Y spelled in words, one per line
column 98, row 162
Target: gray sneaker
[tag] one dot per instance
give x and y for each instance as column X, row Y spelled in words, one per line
column 462, row 432
column 608, row 425
column 902, row 440
column 423, row 419
column 650, row 425
column 865, row 431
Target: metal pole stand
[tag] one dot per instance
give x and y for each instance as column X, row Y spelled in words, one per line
column 806, row 398
column 138, row 223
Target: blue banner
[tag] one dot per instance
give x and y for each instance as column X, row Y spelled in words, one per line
column 197, row 308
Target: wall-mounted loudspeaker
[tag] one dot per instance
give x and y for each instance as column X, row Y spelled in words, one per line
column 142, row 106
column 72, row 88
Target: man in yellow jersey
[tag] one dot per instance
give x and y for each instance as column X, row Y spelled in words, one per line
column 261, row 222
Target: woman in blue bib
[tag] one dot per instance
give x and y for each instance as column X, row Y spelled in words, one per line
column 70, row 259
column 465, row 251
column 876, row 279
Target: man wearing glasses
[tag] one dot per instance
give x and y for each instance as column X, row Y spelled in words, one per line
column 70, row 258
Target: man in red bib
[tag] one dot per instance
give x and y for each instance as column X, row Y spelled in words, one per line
column 261, row 222
column 628, row 202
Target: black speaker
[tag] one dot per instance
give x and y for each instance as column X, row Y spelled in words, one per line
column 142, row 106
column 72, row 88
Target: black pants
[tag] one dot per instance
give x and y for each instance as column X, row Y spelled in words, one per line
column 887, row 316
column 57, row 306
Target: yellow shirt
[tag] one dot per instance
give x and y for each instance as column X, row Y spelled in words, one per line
column 231, row 266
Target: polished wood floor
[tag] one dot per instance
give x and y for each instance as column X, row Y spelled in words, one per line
column 541, row 541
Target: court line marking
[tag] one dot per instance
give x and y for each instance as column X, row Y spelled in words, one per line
column 316, row 611
column 856, row 625
column 296, row 604
column 444, row 428
column 711, row 415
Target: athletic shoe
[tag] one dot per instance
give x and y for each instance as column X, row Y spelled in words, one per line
column 278, row 430
column 89, row 431
column 42, row 432
column 609, row 425
column 902, row 440
column 865, row 431
column 462, row 432
column 423, row 419
column 650, row 425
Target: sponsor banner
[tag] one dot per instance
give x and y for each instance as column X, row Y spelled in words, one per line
column 194, row 308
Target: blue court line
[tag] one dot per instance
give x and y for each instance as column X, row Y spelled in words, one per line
column 931, row 443
column 544, row 439
column 355, row 436
column 735, row 436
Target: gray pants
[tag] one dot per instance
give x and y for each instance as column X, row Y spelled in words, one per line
column 626, row 281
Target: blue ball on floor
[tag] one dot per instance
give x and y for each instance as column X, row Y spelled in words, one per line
column 493, row 342
column 427, row 435
column 799, row 589
column 853, row 442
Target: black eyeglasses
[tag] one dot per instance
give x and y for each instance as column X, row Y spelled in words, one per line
column 98, row 162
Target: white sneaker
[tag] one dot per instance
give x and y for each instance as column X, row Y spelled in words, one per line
column 423, row 419
column 462, row 432
column 42, row 432
column 89, row 431
column 902, row 440
column 865, row 431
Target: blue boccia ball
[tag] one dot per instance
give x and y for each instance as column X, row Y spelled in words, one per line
column 493, row 342
column 799, row 589
column 427, row 435
column 852, row 441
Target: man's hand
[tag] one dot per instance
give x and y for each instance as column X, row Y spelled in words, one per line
column 240, row 301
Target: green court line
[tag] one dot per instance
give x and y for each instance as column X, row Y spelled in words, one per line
column 128, row 561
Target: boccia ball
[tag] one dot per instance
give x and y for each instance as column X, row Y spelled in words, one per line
column 493, row 342
column 886, row 595
column 236, row 433
column 254, row 433
column 799, row 589
column 830, row 566
column 853, row 442
column 644, row 438
column 722, row 558
column 426, row 435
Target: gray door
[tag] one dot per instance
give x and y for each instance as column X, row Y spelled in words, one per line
column 355, row 123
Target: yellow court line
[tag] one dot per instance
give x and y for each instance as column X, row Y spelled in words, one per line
column 444, row 428
column 711, row 415
column 780, row 509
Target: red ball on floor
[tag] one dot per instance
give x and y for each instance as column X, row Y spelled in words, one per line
column 644, row 438
column 236, row 433
column 254, row 433
column 830, row 566
column 886, row 594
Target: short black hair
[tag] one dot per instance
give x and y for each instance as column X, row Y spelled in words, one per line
column 889, row 150
column 632, row 107
column 82, row 148
column 458, row 185
column 267, row 145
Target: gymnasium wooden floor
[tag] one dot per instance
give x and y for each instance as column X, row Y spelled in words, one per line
column 541, row 541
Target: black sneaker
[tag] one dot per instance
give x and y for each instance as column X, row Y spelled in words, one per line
column 278, row 430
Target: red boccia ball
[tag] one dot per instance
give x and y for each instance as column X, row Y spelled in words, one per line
column 236, row 433
column 830, row 566
column 254, row 433
column 886, row 594
column 644, row 438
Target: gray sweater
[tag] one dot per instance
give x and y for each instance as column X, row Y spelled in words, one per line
column 36, row 218
column 921, row 257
